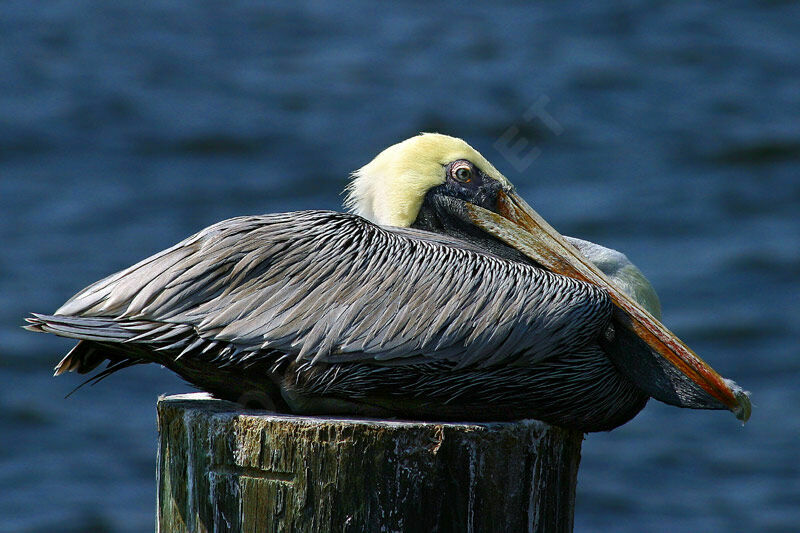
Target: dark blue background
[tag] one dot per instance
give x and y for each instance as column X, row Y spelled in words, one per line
column 668, row 130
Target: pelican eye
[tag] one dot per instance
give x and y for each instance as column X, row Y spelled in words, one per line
column 462, row 171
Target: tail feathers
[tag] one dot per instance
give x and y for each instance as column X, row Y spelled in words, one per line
column 124, row 342
column 86, row 356
column 97, row 336
column 82, row 358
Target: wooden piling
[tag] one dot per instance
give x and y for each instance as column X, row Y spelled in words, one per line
column 222, row 467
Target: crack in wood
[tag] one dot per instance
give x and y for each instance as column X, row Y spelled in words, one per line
column 255, row 473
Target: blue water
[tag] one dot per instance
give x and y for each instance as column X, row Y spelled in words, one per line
column 668, row 130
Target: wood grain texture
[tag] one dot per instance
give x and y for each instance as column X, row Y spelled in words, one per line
column 226, row 468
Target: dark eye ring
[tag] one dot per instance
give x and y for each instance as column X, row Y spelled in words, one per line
column 462, row 172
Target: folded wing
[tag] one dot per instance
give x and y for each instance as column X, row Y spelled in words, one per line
column 332, row 287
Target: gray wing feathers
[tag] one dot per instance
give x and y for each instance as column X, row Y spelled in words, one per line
column 325, row 286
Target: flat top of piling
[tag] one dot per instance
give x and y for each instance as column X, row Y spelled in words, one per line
column 201, row 401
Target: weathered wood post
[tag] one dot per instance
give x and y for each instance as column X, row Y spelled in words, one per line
column 222, row 467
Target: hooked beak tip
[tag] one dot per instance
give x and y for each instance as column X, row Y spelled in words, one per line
column 743, row 406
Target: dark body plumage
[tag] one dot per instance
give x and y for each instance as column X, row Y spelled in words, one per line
column 323, row 312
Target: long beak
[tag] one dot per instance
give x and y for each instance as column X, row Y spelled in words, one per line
column 519, row 226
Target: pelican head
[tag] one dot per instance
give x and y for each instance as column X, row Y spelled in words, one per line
column 390, row 189
column 441, row 183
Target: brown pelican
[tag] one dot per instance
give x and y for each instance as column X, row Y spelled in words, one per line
column 445, row 296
